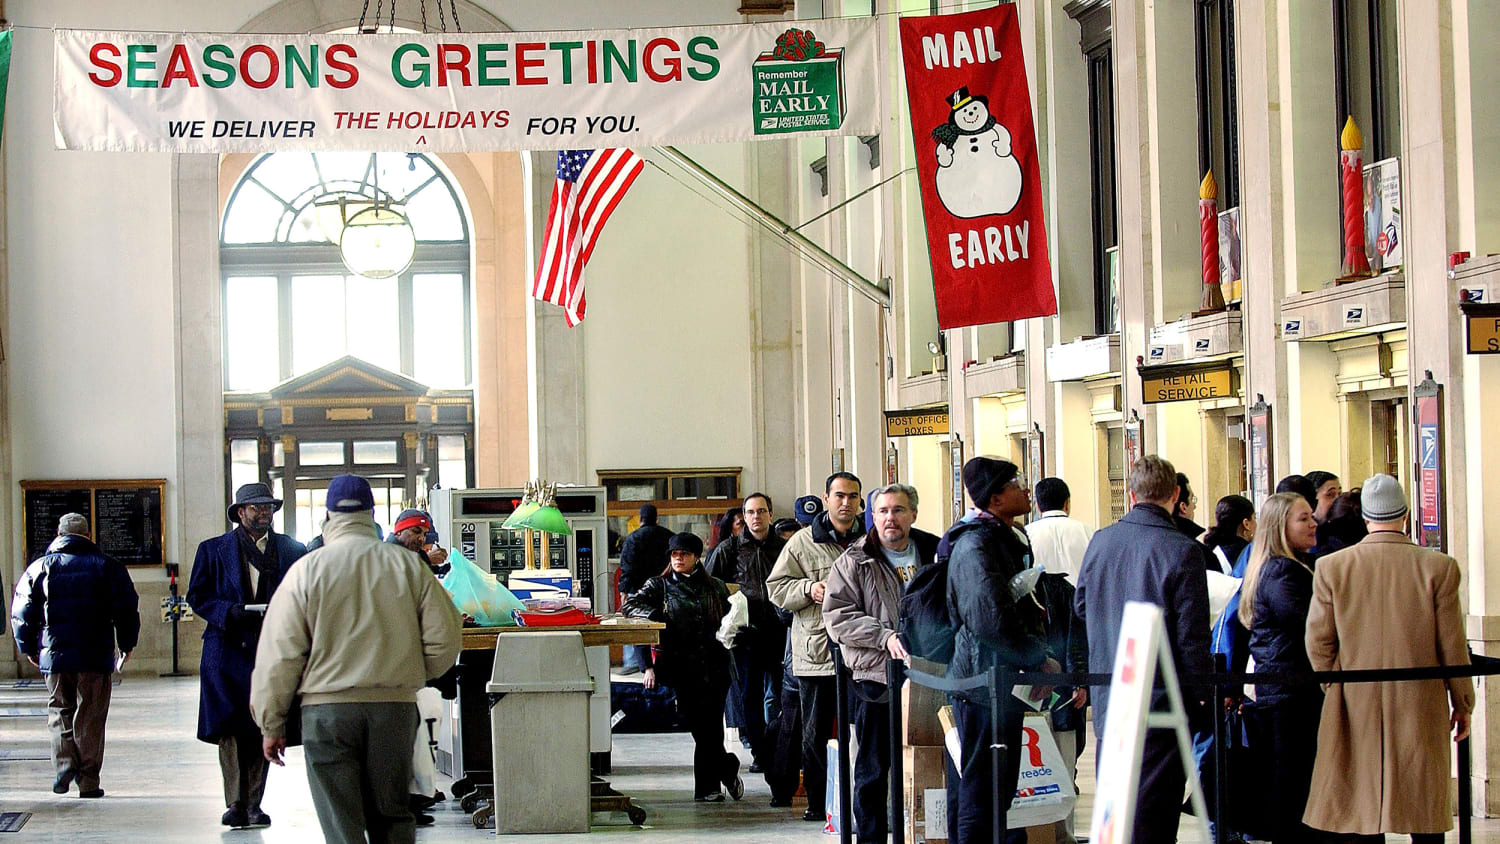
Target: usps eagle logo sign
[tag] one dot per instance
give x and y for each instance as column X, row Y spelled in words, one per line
column 799, row 86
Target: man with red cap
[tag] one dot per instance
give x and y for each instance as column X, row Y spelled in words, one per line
column 414, row 530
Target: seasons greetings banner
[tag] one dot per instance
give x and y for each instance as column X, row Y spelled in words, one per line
column 129, row 91
column 977, row 162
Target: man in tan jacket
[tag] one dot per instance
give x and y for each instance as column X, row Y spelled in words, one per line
column 797, row 584
column 356, row 628
column 1383, row 759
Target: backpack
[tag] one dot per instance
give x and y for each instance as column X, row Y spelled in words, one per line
column 925, row 628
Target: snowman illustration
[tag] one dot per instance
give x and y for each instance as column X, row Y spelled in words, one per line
column 977, row 174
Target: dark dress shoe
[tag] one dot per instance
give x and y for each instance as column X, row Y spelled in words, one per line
column 92, row 793
column 64, row 779
column 423, row 819
column 780, row 802
column 235, row 816
column 258, row 818
column 811, row 814
column 756, row 768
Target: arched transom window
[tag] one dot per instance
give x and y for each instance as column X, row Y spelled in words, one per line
column 290, row 303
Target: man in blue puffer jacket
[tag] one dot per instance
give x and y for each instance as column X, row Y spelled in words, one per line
column 74, row 607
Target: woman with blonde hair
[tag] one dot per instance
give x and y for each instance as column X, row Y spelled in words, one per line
column 1277, row 593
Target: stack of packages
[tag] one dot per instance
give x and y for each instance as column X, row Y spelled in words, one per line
column 925, row 799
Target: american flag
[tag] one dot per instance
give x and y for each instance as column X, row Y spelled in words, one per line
column 589, row 185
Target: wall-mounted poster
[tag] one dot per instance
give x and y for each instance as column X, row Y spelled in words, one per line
column 1429, row 421
column 1383, row 214
column 1229, row 254
column 1259, row 420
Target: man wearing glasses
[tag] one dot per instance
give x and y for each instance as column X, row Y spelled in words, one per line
column 233, row 579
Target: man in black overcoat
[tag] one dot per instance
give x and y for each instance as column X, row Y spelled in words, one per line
column 1145, row 557
column 233, row 579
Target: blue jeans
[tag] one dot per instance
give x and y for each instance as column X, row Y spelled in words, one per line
column 638, row 657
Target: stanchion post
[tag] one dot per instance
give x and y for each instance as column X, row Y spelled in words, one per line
column 1001, row 682
column 895, row 674
column 841, row 714
column 1465, row 794
column 1221, row 752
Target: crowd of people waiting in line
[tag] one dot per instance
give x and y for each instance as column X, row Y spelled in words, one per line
column 1310, row 582
column 1321, row 576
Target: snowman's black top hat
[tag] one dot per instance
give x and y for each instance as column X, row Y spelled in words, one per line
column 960, row 98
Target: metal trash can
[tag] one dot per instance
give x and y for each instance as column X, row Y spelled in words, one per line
column 539, row 732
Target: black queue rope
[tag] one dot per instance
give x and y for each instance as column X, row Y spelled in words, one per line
column 995, row 680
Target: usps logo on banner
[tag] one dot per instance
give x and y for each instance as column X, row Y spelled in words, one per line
column 981, row 188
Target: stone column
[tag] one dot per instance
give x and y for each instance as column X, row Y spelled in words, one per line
column 1447, row 103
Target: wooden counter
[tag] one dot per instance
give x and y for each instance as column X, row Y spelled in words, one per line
column 594, row 635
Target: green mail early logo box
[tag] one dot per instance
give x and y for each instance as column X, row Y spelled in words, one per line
column 799, row 86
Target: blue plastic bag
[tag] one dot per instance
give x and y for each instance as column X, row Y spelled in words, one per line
column 479, row 594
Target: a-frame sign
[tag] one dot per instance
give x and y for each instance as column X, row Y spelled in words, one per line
column 1138, row 658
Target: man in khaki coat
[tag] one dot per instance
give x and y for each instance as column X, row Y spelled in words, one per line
column 356, row 628
column 797, row 584
column 1383, row 760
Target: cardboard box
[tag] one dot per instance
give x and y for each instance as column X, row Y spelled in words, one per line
column 921, row 770
column 919, row 720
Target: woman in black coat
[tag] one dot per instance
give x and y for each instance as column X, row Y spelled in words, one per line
column 1277, row 593
column 1234, row 527
column 691, row 660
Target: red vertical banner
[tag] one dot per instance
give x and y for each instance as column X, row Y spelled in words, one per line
column 976, row 154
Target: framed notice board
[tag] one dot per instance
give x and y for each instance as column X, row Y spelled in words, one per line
column 125, row 516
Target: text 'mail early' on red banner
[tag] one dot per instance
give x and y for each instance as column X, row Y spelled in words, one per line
column 977, row 163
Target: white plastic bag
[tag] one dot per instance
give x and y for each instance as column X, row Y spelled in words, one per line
column 737, row 619
column 1044, row 792
column 835, row 821
column 1221, row 588
column 423, row 766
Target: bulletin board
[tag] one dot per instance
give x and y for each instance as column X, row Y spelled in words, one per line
column 125, row 516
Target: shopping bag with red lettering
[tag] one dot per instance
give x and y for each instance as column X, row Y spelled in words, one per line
column 1044, row 792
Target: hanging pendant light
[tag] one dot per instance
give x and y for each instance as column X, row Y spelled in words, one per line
column 378, row 242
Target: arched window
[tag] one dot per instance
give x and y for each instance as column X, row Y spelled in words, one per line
column 290, row 304
column 326, row 371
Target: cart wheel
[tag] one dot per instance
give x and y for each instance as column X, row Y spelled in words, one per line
column 461, row 787
column 636, row 814
column 470, row 801
column 483, row 816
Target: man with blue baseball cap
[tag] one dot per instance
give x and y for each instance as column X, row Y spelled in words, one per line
column 356, row 628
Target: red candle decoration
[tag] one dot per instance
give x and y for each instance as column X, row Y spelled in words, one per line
column 1352, row 171
column 1208, row 226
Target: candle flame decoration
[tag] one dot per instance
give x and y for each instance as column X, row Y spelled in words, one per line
column 1352, row 176
column 1208, row 226
column 1208, row 188
column 1351, row 138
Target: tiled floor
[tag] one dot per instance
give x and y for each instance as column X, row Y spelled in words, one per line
column 163, row 786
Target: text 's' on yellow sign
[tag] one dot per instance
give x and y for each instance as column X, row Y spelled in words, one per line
column 1188, row 385
column 1483, row 333
column 915, row 423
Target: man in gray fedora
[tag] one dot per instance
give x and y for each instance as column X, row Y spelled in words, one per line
column 232, row 581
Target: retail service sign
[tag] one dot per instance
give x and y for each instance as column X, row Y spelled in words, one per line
column 977, row 162
column 131, row 91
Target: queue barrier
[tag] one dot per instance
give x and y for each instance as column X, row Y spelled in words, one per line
column 998, row 683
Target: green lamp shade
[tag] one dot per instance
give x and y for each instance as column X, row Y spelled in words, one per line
column 546, row 519
column 522, row 513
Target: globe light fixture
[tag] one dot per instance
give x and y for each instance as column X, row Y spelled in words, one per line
column 378, row 242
